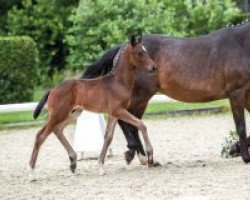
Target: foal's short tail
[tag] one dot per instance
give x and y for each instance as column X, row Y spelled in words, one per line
column 40, row 105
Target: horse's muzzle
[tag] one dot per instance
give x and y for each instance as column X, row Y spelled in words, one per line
column 152, row 69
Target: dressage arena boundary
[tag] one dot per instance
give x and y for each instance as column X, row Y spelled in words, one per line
column 10, row 108
column 19, row 107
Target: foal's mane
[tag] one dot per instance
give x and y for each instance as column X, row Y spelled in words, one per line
column 118, row 55
column 117, row 58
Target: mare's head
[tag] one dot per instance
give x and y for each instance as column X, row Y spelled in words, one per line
column 138, row 55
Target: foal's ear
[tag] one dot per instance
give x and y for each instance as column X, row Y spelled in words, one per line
column 133, row 40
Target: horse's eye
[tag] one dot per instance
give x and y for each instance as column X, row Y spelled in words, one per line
column 140, row 53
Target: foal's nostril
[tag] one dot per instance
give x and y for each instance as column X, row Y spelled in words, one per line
column 153, row 68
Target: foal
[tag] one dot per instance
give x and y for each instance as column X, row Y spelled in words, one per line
column 110, row 94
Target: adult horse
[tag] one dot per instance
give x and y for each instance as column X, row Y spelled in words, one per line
column 198, row 69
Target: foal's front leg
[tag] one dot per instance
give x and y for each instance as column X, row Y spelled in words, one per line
column 129, row 118
column 112, row 121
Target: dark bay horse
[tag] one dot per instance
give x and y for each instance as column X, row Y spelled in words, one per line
column 110, row 94
column 198, row 69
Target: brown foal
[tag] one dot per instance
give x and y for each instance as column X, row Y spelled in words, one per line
column 110, row 94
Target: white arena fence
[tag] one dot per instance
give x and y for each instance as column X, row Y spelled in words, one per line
column 18, row 107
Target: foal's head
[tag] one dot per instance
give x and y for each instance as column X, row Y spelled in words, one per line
column 138, row 55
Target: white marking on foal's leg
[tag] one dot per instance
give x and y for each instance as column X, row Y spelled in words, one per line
column 32, row 175
column 80, row 156
column 102, row 171
column 76, row 173
column 143, row 159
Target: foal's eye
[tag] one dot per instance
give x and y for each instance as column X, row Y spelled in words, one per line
column 140, row 53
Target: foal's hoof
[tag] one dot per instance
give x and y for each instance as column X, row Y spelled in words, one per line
column 155, row 164
column 102, row 172
column 73, row 168
column 32, row 175
column 129, row 156
column 32, row 178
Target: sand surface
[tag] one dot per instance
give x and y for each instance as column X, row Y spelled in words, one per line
column 188, row 148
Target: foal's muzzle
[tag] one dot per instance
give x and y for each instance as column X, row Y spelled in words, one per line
column 152, row 68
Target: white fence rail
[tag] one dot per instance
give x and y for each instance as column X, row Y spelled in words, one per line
column 9, row 108
column 159, row 98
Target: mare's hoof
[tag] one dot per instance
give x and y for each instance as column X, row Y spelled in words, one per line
column 129, row 156
column 76, row 173
column 234, row 150
column 246, row 159
column 155, row 164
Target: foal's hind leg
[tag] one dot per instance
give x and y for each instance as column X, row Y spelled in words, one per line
column 71, row 153
column 40, row 138
column 59, row 133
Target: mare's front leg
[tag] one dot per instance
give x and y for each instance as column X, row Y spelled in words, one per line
column 237, row 101
column 235, row 148
column 112, row 121
column 129, row 118
column 132, row 137
column 130, row 134
column 137, row 108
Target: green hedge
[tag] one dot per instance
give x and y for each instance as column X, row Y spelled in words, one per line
column 18, row 69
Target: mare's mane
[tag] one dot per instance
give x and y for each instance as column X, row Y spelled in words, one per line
column 102, row 66
column 239, row 25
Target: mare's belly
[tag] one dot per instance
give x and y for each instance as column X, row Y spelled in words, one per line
column 198, row 91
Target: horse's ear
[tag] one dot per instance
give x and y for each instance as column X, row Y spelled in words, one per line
column 140, row 39
column 133, row 40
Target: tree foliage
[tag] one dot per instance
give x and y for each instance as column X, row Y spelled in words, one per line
column 101, row 24
column 210, row 16
column 18, row 69
column 5, row 6
column 46, row 21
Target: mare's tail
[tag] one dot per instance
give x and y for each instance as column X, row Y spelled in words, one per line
column 102, row 66
column 40, row 105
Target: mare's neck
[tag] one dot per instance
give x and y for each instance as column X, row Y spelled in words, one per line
column 124, row 72
column 243, row 34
